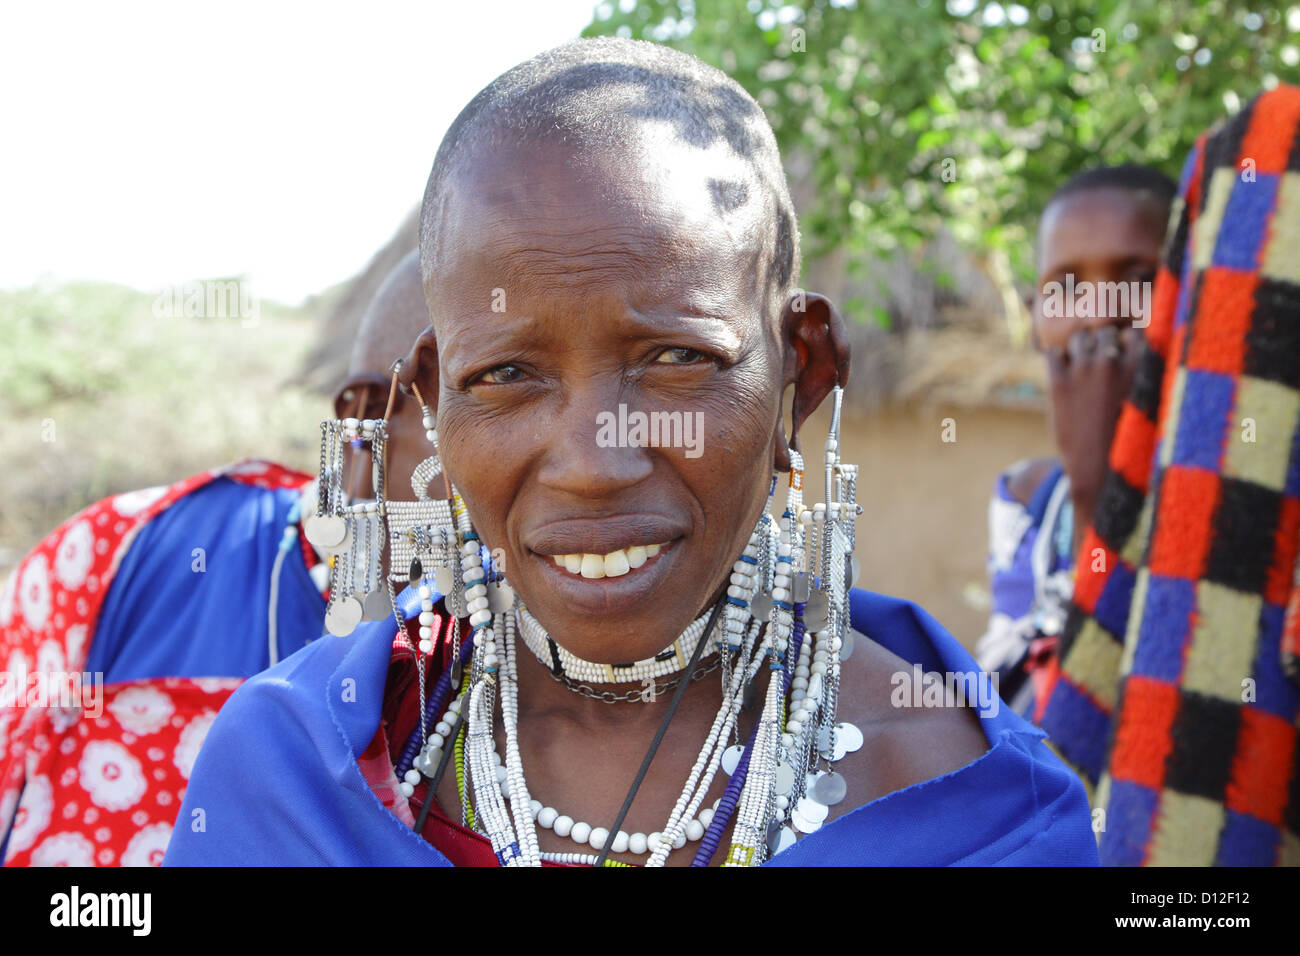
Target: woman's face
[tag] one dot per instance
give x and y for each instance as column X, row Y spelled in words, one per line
column 570, row 300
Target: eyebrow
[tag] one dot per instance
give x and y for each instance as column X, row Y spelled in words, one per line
column 692, row 314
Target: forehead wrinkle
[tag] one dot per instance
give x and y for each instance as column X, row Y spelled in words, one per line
column 627, row 310
column 619, row 263
column 592, row 261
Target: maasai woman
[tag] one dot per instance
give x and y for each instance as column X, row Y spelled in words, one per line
column 607, row 235
column 1099, row 242
column 161, row 602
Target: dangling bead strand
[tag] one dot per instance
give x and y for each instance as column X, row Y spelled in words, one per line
column 521, row 804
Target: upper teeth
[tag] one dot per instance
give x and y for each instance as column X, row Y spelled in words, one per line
column 607, row 565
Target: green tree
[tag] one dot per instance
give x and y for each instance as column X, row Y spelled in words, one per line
column 912, row 116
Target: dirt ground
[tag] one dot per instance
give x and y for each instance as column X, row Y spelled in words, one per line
column 924, row 529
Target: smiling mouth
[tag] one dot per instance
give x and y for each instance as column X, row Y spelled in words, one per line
column 614, row 564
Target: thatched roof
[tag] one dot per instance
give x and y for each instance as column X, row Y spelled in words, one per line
column 958, row 366
column 327, row 363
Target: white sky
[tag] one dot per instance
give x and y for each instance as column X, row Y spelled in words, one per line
column 151, row 143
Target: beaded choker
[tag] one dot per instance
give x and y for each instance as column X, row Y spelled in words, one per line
column 564, row 664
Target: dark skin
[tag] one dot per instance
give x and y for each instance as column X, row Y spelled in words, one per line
column 625, row 286
column 1098, row 235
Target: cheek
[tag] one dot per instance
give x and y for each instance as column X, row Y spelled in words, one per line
column 456, row 452
column 734, row 472
column 743, row 416
column 472, row 459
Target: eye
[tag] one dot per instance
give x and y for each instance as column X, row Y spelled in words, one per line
column 681, row 356
column 501, row 375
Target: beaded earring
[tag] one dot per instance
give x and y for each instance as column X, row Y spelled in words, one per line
column 422, row 533
column 781, row 792
column 437, row 535
column 350, row 532
column 815, row 686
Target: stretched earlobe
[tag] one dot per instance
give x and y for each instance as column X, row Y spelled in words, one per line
column 420, row 368
column 816, row 360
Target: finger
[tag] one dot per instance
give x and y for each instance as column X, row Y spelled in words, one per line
column 1058, row 362
column 1132, row 343
column 1081, row 346
column 1107, row 343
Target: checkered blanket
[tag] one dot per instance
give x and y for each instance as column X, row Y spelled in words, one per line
column 1173, row 694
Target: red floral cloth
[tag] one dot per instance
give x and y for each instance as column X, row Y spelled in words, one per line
column 98, row 784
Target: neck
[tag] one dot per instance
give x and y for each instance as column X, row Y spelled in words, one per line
column 641, row 701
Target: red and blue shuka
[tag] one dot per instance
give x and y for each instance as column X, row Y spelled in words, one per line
column 164, row 595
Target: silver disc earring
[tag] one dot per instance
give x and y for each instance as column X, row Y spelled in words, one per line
column 350, row 533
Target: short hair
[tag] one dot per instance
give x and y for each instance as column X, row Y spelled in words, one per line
column 1130, row 177
column 590, row 94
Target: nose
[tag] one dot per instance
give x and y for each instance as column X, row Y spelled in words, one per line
column 588, row 455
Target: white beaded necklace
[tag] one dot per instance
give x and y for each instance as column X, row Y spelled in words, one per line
column 670, row 660
column 549, row 818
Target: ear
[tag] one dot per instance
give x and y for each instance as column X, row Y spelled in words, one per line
column 420, row 367
column 343, row 404
column 816, row 360
column 351, row 400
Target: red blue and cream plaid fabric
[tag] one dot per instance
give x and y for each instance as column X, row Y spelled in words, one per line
column 1173, row 695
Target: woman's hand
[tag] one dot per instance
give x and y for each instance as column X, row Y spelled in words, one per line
column 1088, row 380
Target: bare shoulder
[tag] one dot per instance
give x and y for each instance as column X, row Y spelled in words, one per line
column 1024, row 478
column 901, row 746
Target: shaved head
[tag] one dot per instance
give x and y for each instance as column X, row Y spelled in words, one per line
column 396, row 316
column 609, row 225
column 632, row 106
